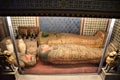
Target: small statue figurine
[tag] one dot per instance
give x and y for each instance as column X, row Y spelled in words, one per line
column 6, row 61
column 112, row 61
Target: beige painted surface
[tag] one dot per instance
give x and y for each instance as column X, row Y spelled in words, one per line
column 62, row 77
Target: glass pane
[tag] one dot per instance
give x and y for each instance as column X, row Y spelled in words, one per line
column 8, row 60
column 59, row 45
column 113, row 52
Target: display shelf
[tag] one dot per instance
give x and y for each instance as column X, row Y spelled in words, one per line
column 10, row 75
column 109, row 76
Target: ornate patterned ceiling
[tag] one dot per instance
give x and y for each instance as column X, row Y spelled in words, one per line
column 79, row 8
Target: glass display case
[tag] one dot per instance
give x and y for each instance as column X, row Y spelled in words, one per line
column 58, row 45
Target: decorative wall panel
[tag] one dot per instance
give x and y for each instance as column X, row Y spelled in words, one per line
column 84, row 8
column 23, row 21
column 89, row 26
column 92, row 25
column 115, row 39
column 101, row 5
column 60, row 24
